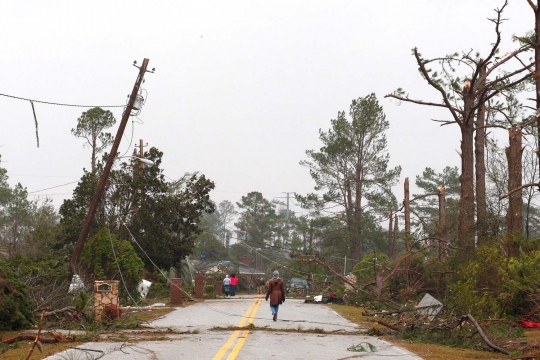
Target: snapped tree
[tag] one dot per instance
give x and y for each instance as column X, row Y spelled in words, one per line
column 464, row 96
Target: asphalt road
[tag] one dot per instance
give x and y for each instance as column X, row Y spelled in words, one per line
column 266, row 341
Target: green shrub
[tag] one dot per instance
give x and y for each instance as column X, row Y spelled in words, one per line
column 15, row 304
column 100, row 262
column 479, row 285
column 495, row 286
column 209, row 289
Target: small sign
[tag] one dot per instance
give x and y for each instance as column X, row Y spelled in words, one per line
column 104, row 287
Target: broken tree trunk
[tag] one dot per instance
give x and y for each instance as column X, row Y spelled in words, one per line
column 407, row 209
column 391, row 244
column 396, row 232
column 514, row 215
column 480, row 168
column 442, row 221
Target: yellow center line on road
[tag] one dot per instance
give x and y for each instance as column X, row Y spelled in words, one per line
column 254, row 305
column 240, row 343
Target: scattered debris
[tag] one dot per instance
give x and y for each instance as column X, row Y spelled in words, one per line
column 430, row 306
column 360, row 347
column 143, row 288
column 325, row 299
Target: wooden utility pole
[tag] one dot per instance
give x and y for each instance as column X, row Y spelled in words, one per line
column 106, row 171
column 141, row 151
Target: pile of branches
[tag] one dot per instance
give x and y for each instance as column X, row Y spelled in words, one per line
column 423, row 321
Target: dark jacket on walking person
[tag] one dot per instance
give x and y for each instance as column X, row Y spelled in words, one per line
column 276, row 293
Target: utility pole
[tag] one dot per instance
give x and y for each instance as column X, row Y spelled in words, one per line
column 141, row 149
column 286, row 216
column 137, row 171
column 106, row 171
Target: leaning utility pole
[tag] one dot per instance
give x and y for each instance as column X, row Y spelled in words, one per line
column 104, row 177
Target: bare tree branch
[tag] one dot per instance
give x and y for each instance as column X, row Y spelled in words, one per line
column 416, row 101
column 435, row 85
column 494, row 47
column 518, row 188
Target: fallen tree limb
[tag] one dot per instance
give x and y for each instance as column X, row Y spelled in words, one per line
column 483, row 336
column 29, row 337
column 54, row 312
column 36, row 341
column 390, row 326
column 399, row 311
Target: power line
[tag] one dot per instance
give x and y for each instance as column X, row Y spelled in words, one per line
column 69, row 183
column 61, row 104
column 207, row 306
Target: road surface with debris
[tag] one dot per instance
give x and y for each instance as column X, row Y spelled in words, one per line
column 211, row 330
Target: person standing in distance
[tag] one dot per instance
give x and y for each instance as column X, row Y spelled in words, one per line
column 276, row 293
column 226, row 285
column 234, row 281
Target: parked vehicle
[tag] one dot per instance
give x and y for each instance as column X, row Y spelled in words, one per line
column 297, row 284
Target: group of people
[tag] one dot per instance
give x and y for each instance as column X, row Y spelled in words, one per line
column 229, row 285
column 275, row 290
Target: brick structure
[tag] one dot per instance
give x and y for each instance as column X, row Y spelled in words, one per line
column 199, row 286
column 177, row 296
column 105, row 296
column 244, row 260
column 218, row 287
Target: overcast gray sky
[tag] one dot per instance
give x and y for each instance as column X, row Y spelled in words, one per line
column 241, row 87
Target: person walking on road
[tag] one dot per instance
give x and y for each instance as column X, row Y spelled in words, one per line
column 276, row 293
column 226, row 285
column 260, row 286
column 234, row 281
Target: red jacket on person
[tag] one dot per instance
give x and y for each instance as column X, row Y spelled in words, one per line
column 234, row 280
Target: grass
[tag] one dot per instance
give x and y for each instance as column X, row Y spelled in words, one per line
column 131, row 319
column 427, row 351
